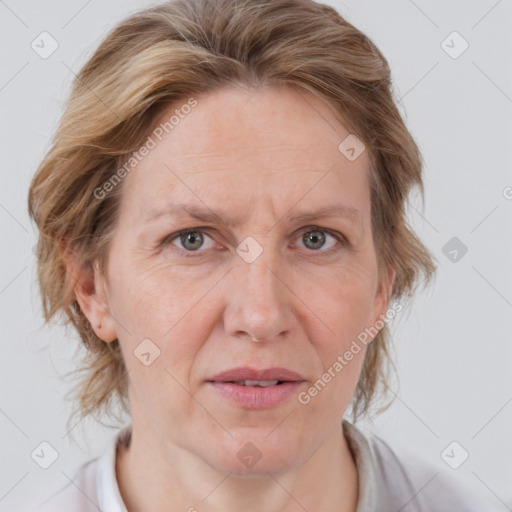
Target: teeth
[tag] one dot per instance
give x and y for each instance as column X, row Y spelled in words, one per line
column 262, row 383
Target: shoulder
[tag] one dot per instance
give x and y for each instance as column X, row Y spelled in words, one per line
column 94, row 485
column 403, row 481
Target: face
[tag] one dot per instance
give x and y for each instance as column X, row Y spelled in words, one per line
column 254, row 162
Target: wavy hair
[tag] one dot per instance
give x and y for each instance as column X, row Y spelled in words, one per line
column 179, row 48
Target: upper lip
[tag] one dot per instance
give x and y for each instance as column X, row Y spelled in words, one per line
column 246, row 373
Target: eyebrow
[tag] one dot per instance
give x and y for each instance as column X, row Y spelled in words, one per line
column 204, row 214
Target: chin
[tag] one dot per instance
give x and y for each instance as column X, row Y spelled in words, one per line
column 257, row 455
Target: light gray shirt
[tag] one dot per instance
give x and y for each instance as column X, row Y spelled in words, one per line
column 387, row 482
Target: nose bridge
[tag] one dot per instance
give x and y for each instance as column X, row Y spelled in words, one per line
column 262, row 274
column 260, row 304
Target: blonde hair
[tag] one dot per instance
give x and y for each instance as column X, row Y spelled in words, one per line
column 187, row 47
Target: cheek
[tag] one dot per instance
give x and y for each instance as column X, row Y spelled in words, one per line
column 150, row 297
column 344, row 299
column 154, row 306
column 328, row 397
column 345, row 306
column 346, row 312
column 157, row 305
column 353, row 305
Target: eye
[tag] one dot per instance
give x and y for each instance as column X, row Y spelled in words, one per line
column 315, row 239
column 191, row 240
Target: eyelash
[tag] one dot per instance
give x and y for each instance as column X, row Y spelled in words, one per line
column 344, row 243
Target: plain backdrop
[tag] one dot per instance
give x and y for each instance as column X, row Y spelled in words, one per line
column 453, row 350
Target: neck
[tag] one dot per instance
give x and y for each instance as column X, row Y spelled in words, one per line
column 151, row 477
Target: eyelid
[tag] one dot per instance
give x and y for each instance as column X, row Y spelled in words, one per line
column 173, row 236
column 342, row 239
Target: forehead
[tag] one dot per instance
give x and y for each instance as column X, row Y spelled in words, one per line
column 246, row 144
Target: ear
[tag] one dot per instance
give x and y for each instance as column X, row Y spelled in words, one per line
column 91, row 294
column 383, row 293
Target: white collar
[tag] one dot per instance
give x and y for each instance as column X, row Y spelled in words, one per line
column 109, row 497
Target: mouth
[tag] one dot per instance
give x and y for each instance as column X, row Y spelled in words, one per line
column 252, row 377
column 256, row 389
column 259, row 383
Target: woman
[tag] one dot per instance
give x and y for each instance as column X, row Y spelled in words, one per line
column 222, row 219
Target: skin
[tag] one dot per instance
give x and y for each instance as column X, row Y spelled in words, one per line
column 263, row 155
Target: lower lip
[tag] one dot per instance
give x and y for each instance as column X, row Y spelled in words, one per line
column 256, row 397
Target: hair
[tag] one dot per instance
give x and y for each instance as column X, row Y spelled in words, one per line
column 163, row 54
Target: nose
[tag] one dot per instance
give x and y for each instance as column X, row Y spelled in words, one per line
column 260, row 303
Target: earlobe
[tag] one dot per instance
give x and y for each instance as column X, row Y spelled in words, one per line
column 105, row 328
column 91, row 294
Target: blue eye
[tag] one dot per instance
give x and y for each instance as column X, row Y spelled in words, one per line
column 317, row 238
column 192, row 241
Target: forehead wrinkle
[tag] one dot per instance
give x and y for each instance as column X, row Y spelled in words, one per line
column 206, row 214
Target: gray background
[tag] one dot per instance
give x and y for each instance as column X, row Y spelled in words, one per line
column 453, row 347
